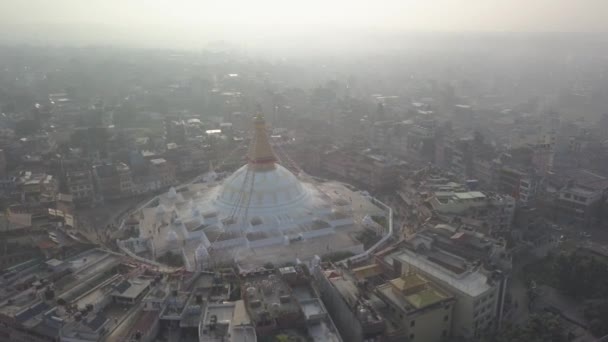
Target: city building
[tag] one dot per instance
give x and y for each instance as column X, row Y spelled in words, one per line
column 163, row 172
column 371, row 170
column 425, row 311
column 226, row 322
column 81, row 186
column 487, row 212
column 113, row 180
column 57, row 300
column 356, row 319
column 466, row 265
column 369, row 304
column 522, row 185
column 578, row 197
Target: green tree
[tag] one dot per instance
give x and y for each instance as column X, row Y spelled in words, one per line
column 597, row 314
column 282, row 338
column 581, row 276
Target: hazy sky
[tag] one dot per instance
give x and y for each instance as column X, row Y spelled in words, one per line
column 185, row 20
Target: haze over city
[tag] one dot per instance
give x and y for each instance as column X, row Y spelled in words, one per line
column 290, row 171
column 190, row 23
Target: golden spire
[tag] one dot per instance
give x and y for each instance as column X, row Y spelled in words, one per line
column 261, row 156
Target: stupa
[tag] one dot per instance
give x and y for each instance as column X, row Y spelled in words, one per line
column 262, row 204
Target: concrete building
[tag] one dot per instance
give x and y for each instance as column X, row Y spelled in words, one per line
column 31, row 291
column 367, row 305
column 355, row 318
column 88, row 329
column 577, row 197
column 371, row 170
column 81, row 186
column 131, row 291
column 113, row 180
column 521, row 185
column 486, row 173
column 467, row 265
column 425, row 311
column 226, row 322
column 461, row 157
column 421, row 142
column 271, row 305
column 494, row 212
column 543, row 154
column 38, row 187
column 163, row 172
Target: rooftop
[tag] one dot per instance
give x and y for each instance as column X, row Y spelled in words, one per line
column 471, row 281
column 158, row 161
column 268, row 295
column 417, row 291
column 226, row 319
column 367, row 271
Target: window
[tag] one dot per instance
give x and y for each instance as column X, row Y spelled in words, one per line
column 445, row 318
column 401, row 316
column 444, row 333
column 412, row 337
column 412, row 323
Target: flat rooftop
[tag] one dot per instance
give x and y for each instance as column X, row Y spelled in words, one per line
column 268, row 295
column 131, row 288
column 472, row 283
column 411, row 292
column 312, row 307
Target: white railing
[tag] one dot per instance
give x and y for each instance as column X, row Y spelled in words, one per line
column 366, row 254
column 128, row 252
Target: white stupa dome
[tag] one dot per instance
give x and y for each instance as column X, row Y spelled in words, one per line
column 271, row 190
column 263, row 186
